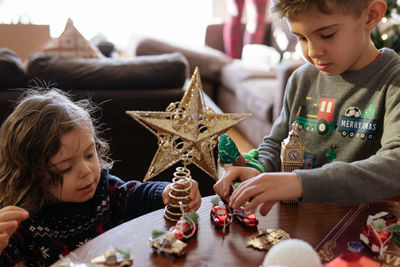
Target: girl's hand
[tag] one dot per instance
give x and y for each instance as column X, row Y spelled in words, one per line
column 195, row 196
column 223, row 186
column 10, row 217
column 265, row 190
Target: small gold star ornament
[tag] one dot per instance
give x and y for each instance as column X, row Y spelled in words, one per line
column 187, row 131
column 265, row 239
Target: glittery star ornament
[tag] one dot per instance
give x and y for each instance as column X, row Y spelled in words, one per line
column 265, row 239
column 187, row 131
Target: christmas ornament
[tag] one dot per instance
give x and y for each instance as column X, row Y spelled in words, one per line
column 179, row 195
column 350, row 259
column 292, row 253
column 229, row 155
column 292, row 151
column 245, row 218
column 265, row 239
column 171, row 241
column 379, row 230
column 166, row 242
column 292, row 155
column 187, row 226
column 187, row 129
column 220, row 214
column 114, row 257
column 228, row 152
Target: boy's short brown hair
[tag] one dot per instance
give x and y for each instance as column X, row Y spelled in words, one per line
column 288, row 8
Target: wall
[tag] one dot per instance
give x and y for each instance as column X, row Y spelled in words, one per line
column 219, row 11
column 24, row 39
column 183, row 21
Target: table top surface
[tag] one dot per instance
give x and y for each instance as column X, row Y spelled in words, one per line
column 210, row 246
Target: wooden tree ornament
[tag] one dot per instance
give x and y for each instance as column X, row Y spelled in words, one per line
column 179, row 195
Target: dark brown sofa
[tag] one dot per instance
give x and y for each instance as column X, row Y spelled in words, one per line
column 234, row 88
column 116, row 85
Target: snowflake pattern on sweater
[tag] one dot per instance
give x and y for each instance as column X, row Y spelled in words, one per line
column 60, row 228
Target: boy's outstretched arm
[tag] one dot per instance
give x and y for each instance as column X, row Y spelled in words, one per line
column 10, row 217
column 266, row 189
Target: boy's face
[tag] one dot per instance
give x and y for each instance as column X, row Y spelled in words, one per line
column 78, row 163
column 333, row 43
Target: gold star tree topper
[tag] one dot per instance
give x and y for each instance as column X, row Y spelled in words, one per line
column 187, row 131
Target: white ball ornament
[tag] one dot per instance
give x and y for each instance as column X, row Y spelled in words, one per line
column 292, row 253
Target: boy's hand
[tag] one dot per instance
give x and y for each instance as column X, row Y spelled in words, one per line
column 223, row 186
column 194, row 196
column 266, row 189
column 10, row 217
column 241, row 162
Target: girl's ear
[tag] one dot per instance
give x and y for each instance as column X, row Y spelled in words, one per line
column 375, row 12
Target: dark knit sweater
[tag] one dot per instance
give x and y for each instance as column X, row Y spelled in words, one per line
column 60, row 228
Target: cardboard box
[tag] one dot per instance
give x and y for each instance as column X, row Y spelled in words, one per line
column 24, row 39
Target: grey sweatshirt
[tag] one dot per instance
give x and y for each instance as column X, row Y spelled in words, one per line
column 350, row 127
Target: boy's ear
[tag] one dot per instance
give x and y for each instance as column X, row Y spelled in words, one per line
column 375, row 12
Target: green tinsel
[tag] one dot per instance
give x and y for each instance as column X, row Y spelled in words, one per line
column 215, row 201
column 156, row 233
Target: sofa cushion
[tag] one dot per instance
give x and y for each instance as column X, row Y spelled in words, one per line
column 12, row 72
column 258, row 97
column 256, row 90
column 208, row 60
column 144, row 72
column 232, row 75
column 253, row 128
column 71, row 43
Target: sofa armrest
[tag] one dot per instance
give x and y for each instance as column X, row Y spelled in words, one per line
column 285, row 70
column 146, row 72
column 209, row 61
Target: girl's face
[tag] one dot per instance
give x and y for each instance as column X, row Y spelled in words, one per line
column 78, row 163
column 334, row 43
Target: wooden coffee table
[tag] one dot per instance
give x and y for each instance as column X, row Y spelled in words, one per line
column 212, row 247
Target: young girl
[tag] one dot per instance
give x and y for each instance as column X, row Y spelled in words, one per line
column 54, row 165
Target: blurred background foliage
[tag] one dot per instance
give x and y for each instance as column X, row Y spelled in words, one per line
column 387, row 33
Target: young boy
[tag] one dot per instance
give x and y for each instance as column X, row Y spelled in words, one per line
column 355, row 88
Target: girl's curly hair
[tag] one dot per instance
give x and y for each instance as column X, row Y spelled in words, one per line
column 31, row 135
